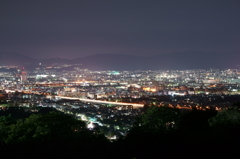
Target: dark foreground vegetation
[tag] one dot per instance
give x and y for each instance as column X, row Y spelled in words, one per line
column 161, row 132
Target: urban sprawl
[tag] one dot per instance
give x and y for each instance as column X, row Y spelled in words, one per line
column 111, row 100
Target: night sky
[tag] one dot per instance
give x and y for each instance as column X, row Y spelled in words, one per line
column 77, row 28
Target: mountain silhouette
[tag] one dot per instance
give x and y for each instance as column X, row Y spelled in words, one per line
column 176, row 61
column 15, row 59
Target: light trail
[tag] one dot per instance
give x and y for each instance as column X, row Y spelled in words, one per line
column 103, row 102
column 114, row 103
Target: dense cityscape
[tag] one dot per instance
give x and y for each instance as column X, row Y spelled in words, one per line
column 120, row 79
column 111, row 100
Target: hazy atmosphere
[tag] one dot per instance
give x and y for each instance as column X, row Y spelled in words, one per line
column 71, row 29
column 120, row 79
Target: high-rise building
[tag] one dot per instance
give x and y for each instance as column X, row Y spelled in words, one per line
column 23, row 76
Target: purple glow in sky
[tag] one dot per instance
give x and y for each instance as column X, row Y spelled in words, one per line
column 76, row 28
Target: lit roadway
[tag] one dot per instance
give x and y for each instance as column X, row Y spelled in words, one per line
column 104, row 102
column 100, row 101
column 114, row 103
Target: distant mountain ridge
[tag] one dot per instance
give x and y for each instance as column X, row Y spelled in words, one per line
column 176, row 60
column 15, row 59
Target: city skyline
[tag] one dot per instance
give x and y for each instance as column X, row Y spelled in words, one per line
column 119, row 79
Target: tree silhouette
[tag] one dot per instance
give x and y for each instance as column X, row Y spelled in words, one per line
column 50, row 133
column 228, row 118
column 157, row 119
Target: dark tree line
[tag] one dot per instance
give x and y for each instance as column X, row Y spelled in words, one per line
column 49, row 134
column 160, row 132
column 164, row 132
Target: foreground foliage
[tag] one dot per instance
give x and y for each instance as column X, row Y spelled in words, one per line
column 48, row 133
column 160, row 132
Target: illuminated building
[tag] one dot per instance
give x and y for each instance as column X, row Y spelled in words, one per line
column 23, row 76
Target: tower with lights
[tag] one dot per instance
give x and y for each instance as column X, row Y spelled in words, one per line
column 23, row 76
